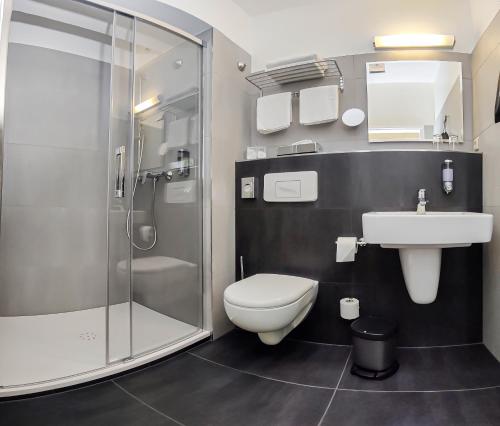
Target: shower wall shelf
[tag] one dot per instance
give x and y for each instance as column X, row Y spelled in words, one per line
column 294, row 73
column 183, row 102
column 179, row 104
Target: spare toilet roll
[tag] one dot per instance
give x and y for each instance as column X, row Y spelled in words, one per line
column 349, row 308
column 146, row 233
column 346, row 249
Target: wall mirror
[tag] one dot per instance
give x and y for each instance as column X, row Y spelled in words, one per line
column 414, row 101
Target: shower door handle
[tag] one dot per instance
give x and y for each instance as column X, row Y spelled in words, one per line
column 119, row 191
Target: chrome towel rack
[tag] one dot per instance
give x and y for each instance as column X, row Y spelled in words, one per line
column 293, row 73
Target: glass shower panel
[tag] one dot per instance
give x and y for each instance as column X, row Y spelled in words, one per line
column 53, row 251
column 120, row 190
column 167, row 231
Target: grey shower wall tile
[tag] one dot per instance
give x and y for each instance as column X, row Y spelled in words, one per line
column 77, row 114
column 66, row 262
column 412, row 55
column 292, row 241
column 45, row 176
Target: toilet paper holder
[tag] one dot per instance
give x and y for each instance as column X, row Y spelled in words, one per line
column 360, row 242
column 347, row 248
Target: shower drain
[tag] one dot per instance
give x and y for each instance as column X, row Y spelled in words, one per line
column 88, row 335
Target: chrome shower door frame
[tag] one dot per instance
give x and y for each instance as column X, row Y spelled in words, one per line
column 205, row 102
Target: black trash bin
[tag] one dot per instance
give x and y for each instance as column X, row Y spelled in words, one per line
column 374, row 348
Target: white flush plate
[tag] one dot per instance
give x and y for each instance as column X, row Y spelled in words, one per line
column 292, row 187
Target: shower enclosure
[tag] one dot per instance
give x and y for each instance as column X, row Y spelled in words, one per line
column 101, row 239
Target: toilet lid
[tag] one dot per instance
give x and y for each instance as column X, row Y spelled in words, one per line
column 267, row 290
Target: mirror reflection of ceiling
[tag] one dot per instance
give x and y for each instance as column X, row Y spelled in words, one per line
column 406, row 72
column 414, row 100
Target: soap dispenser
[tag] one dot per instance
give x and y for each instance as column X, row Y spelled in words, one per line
column 447, row 176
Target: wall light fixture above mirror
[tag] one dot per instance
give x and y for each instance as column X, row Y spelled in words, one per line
column 412, row 41
column 414, row 101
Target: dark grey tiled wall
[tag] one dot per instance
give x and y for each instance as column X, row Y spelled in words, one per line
column 299, row 239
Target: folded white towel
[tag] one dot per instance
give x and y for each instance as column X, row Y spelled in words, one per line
column 177, row 132
column 274, row 112
column 194, row 129
column 319, row 105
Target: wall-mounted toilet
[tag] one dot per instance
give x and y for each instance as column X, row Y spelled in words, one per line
column 269, row 304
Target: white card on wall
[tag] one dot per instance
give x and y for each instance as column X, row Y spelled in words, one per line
column 180, row 192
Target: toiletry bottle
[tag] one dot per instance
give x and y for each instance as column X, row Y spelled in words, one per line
column 445, row 136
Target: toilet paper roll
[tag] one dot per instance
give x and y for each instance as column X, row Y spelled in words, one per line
column 346, row 249
column 349, row 308
column 146, row 233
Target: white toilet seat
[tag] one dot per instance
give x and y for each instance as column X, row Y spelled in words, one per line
column 267, row 290
column 269, row 304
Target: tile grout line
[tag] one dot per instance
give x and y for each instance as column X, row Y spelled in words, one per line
column 335, row 391
column 258, row 375
column 420, row 391
column 458, row 345
column 146, row 404
column 336, row 387
column 309, row 342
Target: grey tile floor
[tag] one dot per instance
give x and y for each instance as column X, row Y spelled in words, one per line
column 239, row 381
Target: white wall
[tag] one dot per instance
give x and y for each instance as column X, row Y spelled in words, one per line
column 274, row 29
column 486, row 60
column 482, row 13
column 333, row 28
column 230, row 134
column 224, row 15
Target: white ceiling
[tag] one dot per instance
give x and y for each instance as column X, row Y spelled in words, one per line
column 261, row 7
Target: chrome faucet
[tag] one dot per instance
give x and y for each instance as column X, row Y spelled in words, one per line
column 422, row 201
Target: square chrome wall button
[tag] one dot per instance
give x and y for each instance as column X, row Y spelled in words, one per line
column 248, row 187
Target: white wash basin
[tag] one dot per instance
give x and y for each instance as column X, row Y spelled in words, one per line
column 420, row 238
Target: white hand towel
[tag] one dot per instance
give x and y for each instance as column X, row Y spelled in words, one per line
column 177, row 132
column 319, row 105
column 274, row 112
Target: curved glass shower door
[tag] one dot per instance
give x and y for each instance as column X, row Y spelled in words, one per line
column 101, row 215
column 167, row 220
column 53, row 245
